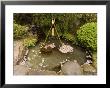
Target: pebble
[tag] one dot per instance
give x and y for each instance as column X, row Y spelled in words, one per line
column 68, row 57
column 29, row 58
column 39, row 56
column 43, row 60
column 33, row 51
column 22, row 63
column 45, row 66
column 39, row 52
column 34, row 55
column 40, row 64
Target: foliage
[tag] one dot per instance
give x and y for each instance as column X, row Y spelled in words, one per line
column 19, row 31
column 65, row 22
column 87, row 36
column 87, row 17
column 23, row 18
column 94, row 56
column 30, row 41
column 69, row 37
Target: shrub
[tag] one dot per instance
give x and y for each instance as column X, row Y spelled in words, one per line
column 30, row 41
column 19, row 31
column 87, row 36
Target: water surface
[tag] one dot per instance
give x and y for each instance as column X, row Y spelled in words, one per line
column 53, row 59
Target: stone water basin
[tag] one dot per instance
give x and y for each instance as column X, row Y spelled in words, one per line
column 53, row 59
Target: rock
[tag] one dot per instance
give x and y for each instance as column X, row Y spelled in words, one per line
column 50, row 45
column 18, row 49
column 88, row 62
column 65, row 48
column 48, row 50
column 20, row 70
column 57, row 68
column 88, row 68
column 42, row 73
column 71, row 68
column 23, row 63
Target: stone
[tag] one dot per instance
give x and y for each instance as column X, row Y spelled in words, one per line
column 65, row 48
column 20, row 70
column 42, row 73
column 71, row 68
column 22, row 63
column 18, row 49
column 48, row 50
column 88, row 68
column 33, row 51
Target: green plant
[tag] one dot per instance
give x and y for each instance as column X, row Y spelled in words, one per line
column 64, row 22
column 19, row 31
column 69, row 36
column 87, row 36
column 30, row 41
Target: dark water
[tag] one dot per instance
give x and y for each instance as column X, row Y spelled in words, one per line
column 53, row 59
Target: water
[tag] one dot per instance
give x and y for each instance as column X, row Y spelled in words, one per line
column 53, row 59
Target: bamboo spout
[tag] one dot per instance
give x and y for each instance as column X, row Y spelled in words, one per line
column 52, row 31
column 53, row 27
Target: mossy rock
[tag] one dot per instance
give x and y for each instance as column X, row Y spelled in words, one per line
column 94, row 59
column 88, row 68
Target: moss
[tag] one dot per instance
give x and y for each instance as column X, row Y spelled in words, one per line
column 94, row 56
